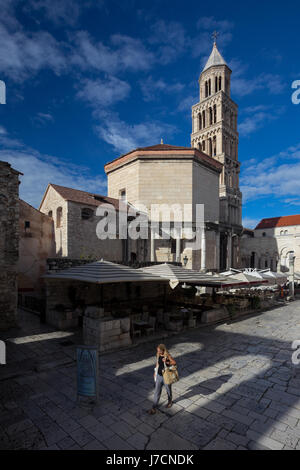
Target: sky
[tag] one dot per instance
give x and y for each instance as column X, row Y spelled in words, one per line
column 89, row 80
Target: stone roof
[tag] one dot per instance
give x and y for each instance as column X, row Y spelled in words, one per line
column 284, row 221
column 215, row 58
column 164, row 150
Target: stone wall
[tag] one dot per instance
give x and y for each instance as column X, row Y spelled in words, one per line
column 106, row 333
column 36, row 244
column 9, row 244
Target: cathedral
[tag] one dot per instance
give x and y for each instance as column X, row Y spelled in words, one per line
column 205, row 173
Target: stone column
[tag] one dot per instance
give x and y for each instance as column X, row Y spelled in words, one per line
column 229, row 250
column 203, row 250
column 217, row 258
column 178, row 249
column 152, row 244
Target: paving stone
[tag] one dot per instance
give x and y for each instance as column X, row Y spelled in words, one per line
column 81, row 436
column 220, row 444
column 164, row 439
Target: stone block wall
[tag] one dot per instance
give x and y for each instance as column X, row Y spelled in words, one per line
column 106, row 333
column 9, row 244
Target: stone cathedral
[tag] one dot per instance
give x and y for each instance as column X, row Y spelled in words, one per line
column 214, row 131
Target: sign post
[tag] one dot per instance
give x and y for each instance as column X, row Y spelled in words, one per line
column 87, row 374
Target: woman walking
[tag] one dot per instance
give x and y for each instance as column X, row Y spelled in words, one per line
column 163, row 358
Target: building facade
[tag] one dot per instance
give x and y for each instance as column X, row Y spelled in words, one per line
column 9, row 244
column 167, row 175
column 270, row 244
column 214, row 131
column 75, row 226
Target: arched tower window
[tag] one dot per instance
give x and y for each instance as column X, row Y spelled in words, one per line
column 203, row 119
column 199, row 121
column 215, row 113
column 220, row 83
column 209, row 87
column 210, row 147
column 216, row 84
column 210, row 117
column 214, row 146
column 206, row 89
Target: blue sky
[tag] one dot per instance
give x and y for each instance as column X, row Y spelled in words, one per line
column 89, row 80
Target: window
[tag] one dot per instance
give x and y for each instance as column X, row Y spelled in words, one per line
column 266, row 263
column 216, row 84
column 27, row 224
column 210, row 116
column 215, row 113
column 203, row 119
column 50, row 214
column 87, row 213
column 220, row 83
column 58, row 217
column 263, row 234
column 123, row 195
column 199, row 121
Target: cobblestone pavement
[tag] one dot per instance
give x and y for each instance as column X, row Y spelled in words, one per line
column 238, row 390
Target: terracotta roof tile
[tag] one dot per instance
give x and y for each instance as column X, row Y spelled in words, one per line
column 84, row 197
column 284, row 221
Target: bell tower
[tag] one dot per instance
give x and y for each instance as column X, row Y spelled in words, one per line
column 214, row 132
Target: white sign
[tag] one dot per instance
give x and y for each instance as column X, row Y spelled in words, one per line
column 2, row 352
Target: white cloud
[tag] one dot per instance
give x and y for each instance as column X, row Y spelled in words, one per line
column 39, row 170
column 103, row 92
column 125, row 137
column 152, row 88
column 22, row 55
column 249, row 222
column 57, row 11
column 257, row 117
column 277, row 176
column 170, row 38
column 122, row 53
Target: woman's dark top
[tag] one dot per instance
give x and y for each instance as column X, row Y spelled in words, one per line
column 161, row 364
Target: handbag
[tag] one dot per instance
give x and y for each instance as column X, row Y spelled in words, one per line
column 170, row 374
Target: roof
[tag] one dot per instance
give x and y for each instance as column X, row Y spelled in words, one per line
column 167, row 151
column 284, row 221
column 103, row 272
column 82, row 197
column 215, row 58
column 176, row 274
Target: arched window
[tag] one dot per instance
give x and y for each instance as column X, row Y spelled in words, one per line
column 87, row 213
column 58, row 217
column 206, row 89
column 264, row 234
column 220, row 83
column 50, row 214
column 286, row 232
column 199, row 121
column 281, row 232
column 209, row 87
column 214, row 146
column 203, row 118
column 210, row 147
column 203, row 145
column 210, row 117
column 215, row 113
column 216, row 84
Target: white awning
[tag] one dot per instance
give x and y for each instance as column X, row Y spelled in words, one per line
column 103, row 272
column 176, row 274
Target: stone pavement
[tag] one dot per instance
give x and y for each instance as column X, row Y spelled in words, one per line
column 238, row 390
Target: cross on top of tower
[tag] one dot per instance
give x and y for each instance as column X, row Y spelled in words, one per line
column 215, row 34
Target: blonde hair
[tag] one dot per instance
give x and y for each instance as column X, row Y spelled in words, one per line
column 163, row 348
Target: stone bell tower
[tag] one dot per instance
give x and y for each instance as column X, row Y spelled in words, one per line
column 214, row 121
